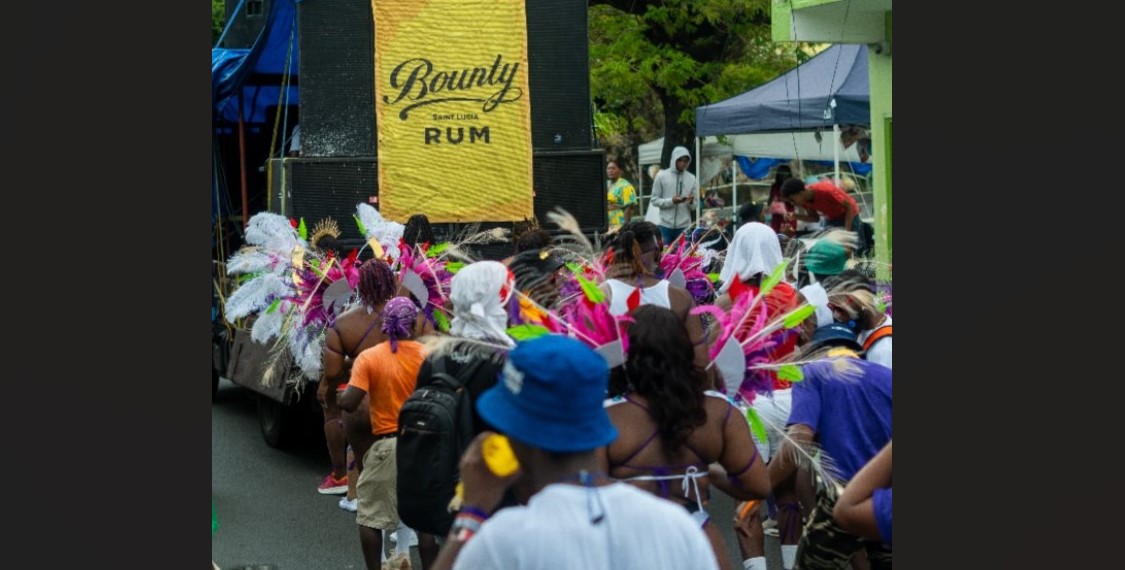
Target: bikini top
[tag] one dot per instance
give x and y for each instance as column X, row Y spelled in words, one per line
column 662, row 474
column 358, row 343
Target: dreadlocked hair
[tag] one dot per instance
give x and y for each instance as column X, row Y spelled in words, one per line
column 376, row 282
column 418, row 231
column 627, row 248
column 660, row 366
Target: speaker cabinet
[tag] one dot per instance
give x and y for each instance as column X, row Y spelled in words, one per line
column 337, row 78
column 573, row 181
column 316, row 188
column 559, row 56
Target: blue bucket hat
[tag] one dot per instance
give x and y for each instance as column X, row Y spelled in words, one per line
column 550, row 395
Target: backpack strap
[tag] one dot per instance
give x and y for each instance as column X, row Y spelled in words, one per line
column 464, row 417
column 462, row 376
column 875, row 336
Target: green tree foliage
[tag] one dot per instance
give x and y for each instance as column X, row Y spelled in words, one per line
column 652, row 62
column 218, row 19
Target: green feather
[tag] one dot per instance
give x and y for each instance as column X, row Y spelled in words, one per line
column 437, row 249
column 441, row 322
column 302, row 230
column 524, row 332
column 591, row 289
column 795, row 317
column 273, row 306
column 714, row 277
column 790, row 373
column 358, row 222
column 454, row 266
column 574, row 268
column 316, row 270
column 774, row 278
column 756, row 425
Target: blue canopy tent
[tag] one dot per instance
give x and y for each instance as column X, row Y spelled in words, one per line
column 246, row 84
column 828, row 90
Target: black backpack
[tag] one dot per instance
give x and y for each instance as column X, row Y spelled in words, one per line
column 435, row 426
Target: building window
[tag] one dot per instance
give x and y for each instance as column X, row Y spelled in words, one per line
column 254, row 7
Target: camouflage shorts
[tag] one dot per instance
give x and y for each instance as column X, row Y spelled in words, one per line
column 824, row 545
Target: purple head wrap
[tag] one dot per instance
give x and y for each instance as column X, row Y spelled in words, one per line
column 398, row 319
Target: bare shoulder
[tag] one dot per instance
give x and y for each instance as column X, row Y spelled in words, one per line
column 723, row 302
column 682, row 302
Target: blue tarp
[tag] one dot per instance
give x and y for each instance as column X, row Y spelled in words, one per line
column 799, row 99
column 257, row 72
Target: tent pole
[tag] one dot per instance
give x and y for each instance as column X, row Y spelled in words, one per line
column 698, row 173
column 242, row 164
column 733, row 186
column 640, row 185
column 836, row 153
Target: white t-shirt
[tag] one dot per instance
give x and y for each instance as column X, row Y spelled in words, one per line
column 880, row 351
column 639, row 531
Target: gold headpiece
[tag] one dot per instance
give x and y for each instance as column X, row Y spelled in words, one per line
column 324, row 227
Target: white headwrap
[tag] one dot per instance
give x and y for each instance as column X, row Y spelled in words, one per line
column 754, row 249
column 816, row 296
column 478, row 310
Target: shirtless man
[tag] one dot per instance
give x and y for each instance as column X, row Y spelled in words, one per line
column 355, row 330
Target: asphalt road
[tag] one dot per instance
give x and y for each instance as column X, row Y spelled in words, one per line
column 271, row 517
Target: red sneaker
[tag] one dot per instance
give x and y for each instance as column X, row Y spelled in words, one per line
column 333, row 486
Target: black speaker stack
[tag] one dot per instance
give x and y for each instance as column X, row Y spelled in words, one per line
column 338, row 113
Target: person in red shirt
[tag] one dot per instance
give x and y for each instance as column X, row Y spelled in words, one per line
column 822, row 198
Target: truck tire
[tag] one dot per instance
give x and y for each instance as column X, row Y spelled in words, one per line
column 277, row 422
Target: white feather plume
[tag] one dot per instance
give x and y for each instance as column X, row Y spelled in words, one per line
column 253, row 260
column 273, row 232
column 438, row 345
column 310, row 358
column 255, row 295
column 268, row 326
column 386, row 232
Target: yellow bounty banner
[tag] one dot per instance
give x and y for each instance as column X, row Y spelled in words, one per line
column 453, row 109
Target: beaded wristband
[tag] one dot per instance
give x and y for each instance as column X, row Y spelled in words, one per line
column 464, row 527
column 474, row 511
column 463, row 535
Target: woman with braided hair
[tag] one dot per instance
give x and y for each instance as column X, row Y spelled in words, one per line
column 385, row 373
column 631, row 281
column 676, row 436
column 355, row 329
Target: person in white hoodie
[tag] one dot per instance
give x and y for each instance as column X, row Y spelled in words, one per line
column 675, row 191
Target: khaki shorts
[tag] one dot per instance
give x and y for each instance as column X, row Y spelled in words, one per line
column 378, row 502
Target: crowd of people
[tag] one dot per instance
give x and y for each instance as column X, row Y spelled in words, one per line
column 632, row 380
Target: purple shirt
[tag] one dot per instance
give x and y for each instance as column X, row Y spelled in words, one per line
column 882, row 501
column 851, row 416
